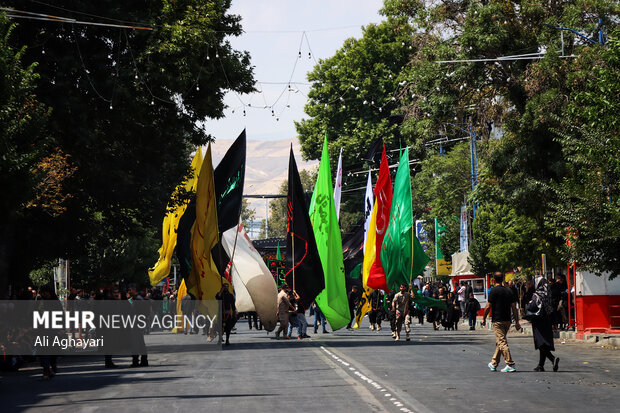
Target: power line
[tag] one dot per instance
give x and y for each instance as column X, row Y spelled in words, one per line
column 59, row 19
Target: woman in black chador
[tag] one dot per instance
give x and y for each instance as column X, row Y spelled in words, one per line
column 541, row 309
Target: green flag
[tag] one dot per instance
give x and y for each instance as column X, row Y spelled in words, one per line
column 402, row 256
column 332, row 300
column 278, row 253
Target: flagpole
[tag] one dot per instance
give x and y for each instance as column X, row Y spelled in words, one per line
column 412, row 255
column 293, row 256
column 220, row 254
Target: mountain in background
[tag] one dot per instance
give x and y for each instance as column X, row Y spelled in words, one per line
column 266, row 167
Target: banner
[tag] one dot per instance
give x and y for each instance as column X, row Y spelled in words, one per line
column 383, row 202
column 464, row 236
column 255, row 288
column 304, row 270
column 228, row 177
column 443, row 267
column 401, row 254
column 171, row 224
column 332, row 300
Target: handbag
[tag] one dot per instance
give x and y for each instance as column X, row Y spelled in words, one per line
column 533, row 308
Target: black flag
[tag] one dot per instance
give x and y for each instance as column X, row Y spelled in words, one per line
column 307, row 278
column 228, row 177
column 184, row 240
column 353, row 249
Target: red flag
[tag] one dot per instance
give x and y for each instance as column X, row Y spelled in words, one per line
column 383, row 199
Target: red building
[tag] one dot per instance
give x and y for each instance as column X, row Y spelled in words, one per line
column 596, row 303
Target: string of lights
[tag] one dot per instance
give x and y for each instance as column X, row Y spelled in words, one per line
column 276, row 106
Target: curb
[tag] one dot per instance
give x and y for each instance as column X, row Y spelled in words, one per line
column 602, row 339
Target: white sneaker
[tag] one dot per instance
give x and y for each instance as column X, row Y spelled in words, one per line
column 508, row 369
column 492, row 367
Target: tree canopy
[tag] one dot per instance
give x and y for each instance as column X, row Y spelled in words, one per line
column 539, row 102
column 125, row 107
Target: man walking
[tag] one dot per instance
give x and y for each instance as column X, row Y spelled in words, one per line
column 376, row 305
column 400, row 305
column 283, row 306
column 501, row 302
column 354, row 300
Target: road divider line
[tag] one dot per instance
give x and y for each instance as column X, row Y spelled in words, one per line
column 366, row 379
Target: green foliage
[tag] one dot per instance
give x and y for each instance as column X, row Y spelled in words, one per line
column 247, row 214
column 44, row 274
column 24, row 144
column 479, row 248
column 587, row 200
column 126, row 108
column 353, row 94
column 124, row 259
column 441, row 187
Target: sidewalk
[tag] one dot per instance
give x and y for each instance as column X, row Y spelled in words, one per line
column 611, row 340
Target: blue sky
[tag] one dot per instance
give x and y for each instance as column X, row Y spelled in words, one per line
column 274, row 31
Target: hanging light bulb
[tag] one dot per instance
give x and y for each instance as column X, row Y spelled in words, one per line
column 217, row 55
column 365, row 102
column 43, row 51
column 249, row 104
column 326, row 106
column 243, row 112
column 272, row 113
column 197, row 88
column 277, row 119
column 344, row 106
column 152, row 102
column 111, row 106
column 372, row 102
column 380, row 109
column 309, row 55
column 299, row 56
column 136, row 77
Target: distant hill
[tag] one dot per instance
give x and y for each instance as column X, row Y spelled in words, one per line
column 266, row 166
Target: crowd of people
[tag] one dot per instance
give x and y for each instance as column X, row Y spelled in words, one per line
column 398, row 308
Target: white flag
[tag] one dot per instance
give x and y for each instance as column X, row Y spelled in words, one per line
column 368, row 204
column 338, row 186
column 255, row 288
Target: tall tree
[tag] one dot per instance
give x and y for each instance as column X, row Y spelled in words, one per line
column 586, row 208
column 127, row 105
column 32, row 171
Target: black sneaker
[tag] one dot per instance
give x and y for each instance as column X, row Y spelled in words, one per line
column 556, row 364
column 539, row 368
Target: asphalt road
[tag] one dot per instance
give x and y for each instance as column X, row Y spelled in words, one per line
column 360, row 371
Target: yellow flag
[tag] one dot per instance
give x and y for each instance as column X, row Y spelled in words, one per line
column 204, row 281
column 370, row 253
column 171, row 224
column 182, row 292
